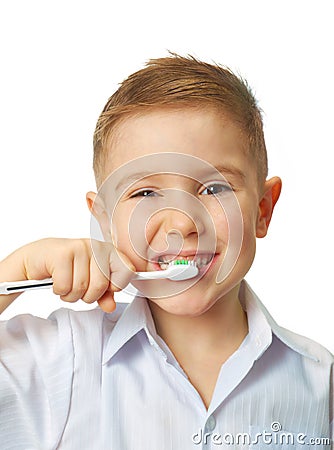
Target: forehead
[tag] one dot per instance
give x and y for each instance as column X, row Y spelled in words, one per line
column 204, row 133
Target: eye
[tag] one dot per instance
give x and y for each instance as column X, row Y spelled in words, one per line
column 216, row 189
column 144, row 193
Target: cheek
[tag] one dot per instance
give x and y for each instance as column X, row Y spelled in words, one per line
column 120, row 228
column 236, row 231
column 150, row 229
column 249, row 236
column 228, row 222
column 131, row 231
column 250, row 220
column 222, row 222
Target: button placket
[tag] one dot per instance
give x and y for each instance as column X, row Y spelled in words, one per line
column 210, row 423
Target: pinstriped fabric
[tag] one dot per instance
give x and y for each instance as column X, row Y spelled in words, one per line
column 36, row 372
column 88, row 380
column 84, row 418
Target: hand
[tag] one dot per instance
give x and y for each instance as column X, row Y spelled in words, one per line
column 74, row 270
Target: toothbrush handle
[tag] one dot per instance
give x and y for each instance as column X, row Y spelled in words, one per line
column 13, row 287
column 154, row 275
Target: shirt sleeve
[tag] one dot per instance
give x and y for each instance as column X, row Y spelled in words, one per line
column 36, row 371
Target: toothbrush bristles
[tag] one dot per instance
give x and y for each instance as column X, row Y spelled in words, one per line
column 183, row 261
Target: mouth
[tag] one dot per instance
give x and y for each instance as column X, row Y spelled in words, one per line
column 201, row 260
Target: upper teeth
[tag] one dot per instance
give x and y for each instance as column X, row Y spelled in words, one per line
column 200, row 261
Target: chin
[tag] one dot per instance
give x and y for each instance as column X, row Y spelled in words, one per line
column 185, row 304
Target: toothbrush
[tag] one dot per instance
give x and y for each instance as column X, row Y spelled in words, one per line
column 177, row 270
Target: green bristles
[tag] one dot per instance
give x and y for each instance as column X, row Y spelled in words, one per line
column 180, row 261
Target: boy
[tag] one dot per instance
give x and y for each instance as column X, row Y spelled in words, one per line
column 180, row 164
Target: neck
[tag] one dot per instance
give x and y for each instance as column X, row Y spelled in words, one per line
column 220, row 330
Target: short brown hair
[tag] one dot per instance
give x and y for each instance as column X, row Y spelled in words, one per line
column 183, row 81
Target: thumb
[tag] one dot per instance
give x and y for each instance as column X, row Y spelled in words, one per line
column 107, row 302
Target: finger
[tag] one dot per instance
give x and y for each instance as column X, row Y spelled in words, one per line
column 80, row 276
column 98, row 283
column 107, row 302
column 116, row 267
column 62, row 276
column 121, row 269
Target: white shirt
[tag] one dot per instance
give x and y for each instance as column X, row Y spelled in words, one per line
column 97, row 381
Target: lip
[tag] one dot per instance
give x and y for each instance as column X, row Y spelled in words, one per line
column 185, row 253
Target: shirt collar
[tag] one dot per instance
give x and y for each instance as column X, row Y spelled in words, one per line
column 253, row 305
column 132, row 318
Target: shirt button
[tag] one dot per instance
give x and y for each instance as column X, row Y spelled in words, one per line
column 210, row 423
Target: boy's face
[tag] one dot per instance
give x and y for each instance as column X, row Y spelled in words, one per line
column 169, row 163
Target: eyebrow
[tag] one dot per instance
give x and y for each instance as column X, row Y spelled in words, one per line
column 138, row 176
column 231, row 170
column 134, row 177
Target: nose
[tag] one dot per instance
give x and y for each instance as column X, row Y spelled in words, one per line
column 183, row 214
column 177, row 222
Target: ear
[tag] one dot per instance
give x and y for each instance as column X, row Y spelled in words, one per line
column 97, row 208
column 272, row 190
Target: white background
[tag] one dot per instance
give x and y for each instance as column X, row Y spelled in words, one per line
column 61, row 60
